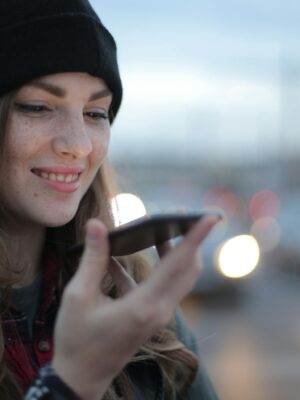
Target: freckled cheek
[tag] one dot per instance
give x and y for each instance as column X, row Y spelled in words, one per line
column 100, row 149
column 22, row 141
column 19, row 153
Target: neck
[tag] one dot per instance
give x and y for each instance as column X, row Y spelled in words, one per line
column 24, row 249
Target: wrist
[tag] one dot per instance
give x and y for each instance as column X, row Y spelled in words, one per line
column 79, row 382
column 48, row 384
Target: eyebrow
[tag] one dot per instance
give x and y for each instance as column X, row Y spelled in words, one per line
column 60, row 92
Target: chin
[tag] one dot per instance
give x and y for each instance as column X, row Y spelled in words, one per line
column 57, row 221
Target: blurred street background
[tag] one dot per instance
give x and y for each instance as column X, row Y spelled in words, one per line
column 211, row 119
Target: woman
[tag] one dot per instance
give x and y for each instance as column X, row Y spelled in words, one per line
column 99, row 330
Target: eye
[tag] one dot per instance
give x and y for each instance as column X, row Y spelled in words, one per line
column 31, row 108
column 97, row 115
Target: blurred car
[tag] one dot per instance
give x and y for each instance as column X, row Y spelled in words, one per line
column 229, row 256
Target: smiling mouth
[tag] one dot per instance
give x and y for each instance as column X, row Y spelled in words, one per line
column 66, row 178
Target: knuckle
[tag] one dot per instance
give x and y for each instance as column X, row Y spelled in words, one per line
column 92, row 257
column 163, row 316
column 197, row 267
column 72, row 297
column 143, row 315
column 150, row 317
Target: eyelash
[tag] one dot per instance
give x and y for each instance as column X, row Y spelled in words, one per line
column 31, row 107
column 35, row 108
column 97, row 115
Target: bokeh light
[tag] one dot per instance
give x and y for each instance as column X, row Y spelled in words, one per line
column 238, row 256
column 224, row 199
column 267, row 232
column 127, row 207
column 264, row 203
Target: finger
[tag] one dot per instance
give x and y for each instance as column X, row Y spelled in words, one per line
column 163, row 248
column 153, row 302
column 93, row 264
column 179, row 269
column 123, row 281
column 201, row 230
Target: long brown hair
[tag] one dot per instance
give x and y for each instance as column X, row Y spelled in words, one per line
column 177, row 364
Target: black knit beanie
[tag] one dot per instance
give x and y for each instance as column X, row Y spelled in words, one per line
column 42, row 37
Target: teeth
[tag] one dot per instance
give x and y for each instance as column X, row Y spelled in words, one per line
column 52, row 177
column 58, row 177
column 69, row 178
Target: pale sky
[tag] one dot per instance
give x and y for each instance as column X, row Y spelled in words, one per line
column 203, row 79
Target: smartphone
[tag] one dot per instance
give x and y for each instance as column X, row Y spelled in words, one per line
column 149, row 231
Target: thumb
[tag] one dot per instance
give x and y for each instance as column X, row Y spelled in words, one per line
column 94, row 261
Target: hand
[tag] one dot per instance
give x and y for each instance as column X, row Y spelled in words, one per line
column 95, row 336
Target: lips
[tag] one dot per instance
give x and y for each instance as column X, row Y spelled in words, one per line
column 61, row 179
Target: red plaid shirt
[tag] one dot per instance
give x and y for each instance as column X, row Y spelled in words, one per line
column 26, row 355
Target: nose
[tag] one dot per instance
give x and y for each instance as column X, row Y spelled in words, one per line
column 72, row 138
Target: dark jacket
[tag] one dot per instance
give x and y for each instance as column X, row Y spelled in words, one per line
column 147, row 379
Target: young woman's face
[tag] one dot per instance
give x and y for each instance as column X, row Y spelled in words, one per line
column 57, row 138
